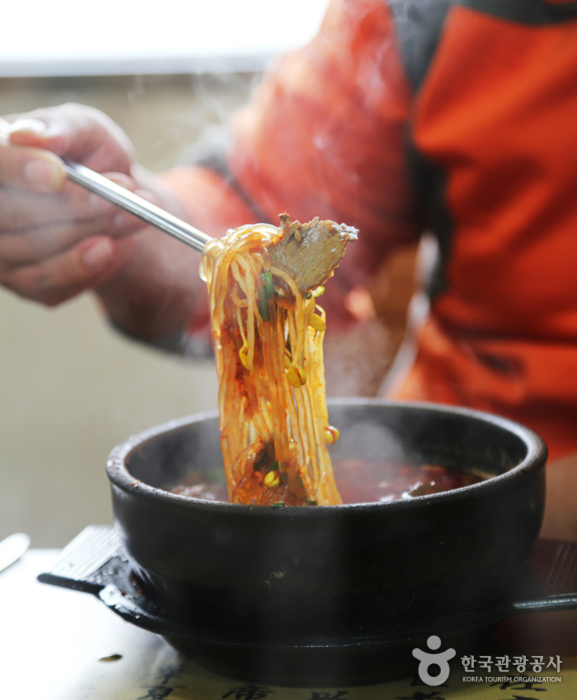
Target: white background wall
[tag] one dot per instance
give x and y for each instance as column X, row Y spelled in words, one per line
column 64, row 37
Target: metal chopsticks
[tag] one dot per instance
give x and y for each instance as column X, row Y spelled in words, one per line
column 157, row 217
column 150, row 213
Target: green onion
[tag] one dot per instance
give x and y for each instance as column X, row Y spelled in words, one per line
column 263, row 304
column 268, row 283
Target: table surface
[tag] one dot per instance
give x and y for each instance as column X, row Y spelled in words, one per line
column 59, row 644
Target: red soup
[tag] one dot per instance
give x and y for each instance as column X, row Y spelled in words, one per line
column 359, row 481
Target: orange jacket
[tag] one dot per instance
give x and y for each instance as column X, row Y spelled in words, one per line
column 455, row 117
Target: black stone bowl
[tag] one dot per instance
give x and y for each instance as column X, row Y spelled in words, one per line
column 303, row 594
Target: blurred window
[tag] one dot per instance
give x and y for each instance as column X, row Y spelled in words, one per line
column 108, row 37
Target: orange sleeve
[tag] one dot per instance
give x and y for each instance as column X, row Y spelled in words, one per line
column 324, row 135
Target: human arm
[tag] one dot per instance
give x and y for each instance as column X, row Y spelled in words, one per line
column 56, row 239
column 343, row 96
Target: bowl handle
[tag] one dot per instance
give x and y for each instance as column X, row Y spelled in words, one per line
column 85, row 563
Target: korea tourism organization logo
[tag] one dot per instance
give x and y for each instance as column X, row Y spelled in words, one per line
column 440, row 660
column 434, row 668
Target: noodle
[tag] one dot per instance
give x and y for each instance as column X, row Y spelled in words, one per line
column 268, row 339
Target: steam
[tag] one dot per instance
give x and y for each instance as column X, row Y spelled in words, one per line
column 357, row 360
column 372, row 442
column 215, row 98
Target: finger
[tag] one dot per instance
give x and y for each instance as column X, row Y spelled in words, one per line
column 27, row 131
column 35, row 245
column 39, row 234
column 31, row 169
column 65, row 275
column 76, row 132
column 22, row 210
column 123, row 223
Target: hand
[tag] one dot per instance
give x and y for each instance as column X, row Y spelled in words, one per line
column 57, row 239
